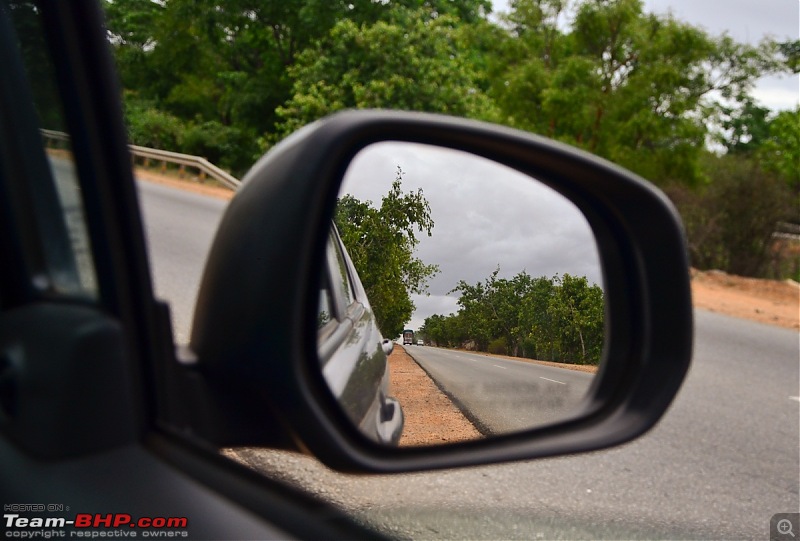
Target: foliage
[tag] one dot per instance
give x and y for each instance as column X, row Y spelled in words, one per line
column 780, row 153
column 381, row 243
column 226, row 146
column 629, row 86
column 556, row 319
column 130, row 26
column 649, row 92
column 790, row 51
column 414, row 64
column 730, row 222
column 151, row 127
column 746, row 128
column 498, row 347
column 636, row 88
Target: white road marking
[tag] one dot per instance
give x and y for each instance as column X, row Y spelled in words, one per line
column 498, row 366
column 554, row 381
column 795, row 398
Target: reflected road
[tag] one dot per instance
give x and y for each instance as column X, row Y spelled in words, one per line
column 500, row 395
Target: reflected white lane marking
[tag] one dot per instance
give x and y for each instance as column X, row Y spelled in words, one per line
column 554, row 381
column 795, row 398
column 498, row 366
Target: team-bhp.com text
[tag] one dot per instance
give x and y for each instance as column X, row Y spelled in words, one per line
column 86, row 525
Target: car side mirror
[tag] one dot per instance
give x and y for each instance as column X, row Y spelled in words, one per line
column 257, row 327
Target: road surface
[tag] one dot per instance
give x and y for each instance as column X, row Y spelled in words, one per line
column 723, row 460
column 501, row 396
column 180, row 227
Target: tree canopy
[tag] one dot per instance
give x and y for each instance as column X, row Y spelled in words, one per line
column 552, row 319
column 381, row 242
column 647, row 91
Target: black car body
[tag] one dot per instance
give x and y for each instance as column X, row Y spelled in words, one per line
column 352, row 350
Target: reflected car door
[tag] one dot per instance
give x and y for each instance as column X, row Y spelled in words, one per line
column 351, row 349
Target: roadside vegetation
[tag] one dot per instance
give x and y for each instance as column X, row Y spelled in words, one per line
column 381, row 242
column 649, row 92
column 556, row 319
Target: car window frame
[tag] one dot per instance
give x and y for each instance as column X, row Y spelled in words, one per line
column 31, row 203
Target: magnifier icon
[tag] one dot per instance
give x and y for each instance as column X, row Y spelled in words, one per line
column 785, row 527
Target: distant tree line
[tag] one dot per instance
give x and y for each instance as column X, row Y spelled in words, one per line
column 650, row 92
column 551, row 319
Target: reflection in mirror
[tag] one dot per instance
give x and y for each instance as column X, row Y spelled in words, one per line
column 488, row 281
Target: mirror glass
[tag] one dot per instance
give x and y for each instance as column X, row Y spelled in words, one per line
column 487, row 283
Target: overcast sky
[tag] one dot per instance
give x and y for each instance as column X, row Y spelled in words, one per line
column 486, row 216
column 746, row 21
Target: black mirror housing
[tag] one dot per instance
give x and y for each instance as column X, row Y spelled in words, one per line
column 255, row 338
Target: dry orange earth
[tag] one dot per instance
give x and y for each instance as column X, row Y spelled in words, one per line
column 765, row 301
column 431, row 418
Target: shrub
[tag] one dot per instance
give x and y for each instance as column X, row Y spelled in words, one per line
column 149, row 127
column 225, row 146
column 730, row 222
column 498, row 346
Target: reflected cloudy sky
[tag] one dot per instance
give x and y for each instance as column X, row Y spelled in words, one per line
column 485, row 215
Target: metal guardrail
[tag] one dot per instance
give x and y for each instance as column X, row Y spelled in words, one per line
column 787, row 230
column 203, row 166
column 783, row 230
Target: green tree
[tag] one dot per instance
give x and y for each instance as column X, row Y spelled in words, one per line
column 576, row 309
column 478, row 322
column 416, row 64
column 537, row 322
column 790, row 51
column 38, row 63
column 636, row 88
column 130, row 25
column 780, row 153
column 559, row 319
column 381, row 243
column 148, row 126
column 446, row 331
column 746, row 128
column 639, row 89
column 492, row 309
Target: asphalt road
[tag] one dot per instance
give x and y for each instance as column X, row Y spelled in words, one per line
column 501, row 396
column 180, row 227
column 725, row 458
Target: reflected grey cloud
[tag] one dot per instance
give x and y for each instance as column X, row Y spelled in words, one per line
column 486, row 216
column 435, row 304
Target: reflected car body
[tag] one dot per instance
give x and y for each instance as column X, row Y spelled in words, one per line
column 352, row 350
